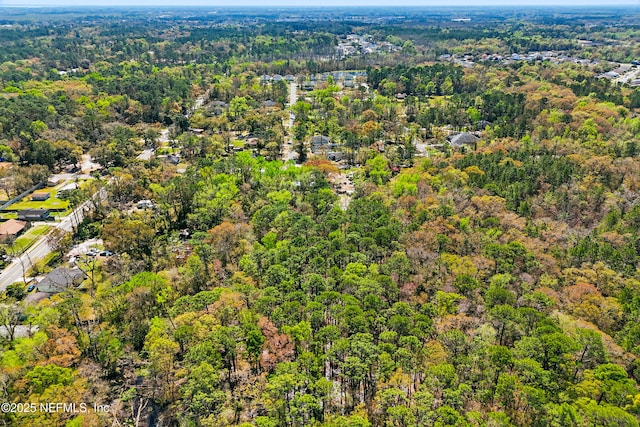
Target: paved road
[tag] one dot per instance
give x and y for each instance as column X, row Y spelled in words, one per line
column 88, row 165
column 198, row 104
column 146, row 154
column 630, row 75
column 164, row 135
column 342, row 185
column 20, row 331
column 287, row 149
column 77, row 215
column 200, row 101
column 14, row 271
column 293, row 98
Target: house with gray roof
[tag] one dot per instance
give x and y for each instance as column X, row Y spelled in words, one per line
column 462, row 139
column 34, row 215
column 319, row 143
column 61, row 279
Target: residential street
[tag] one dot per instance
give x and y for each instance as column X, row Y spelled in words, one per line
column 14, row 271
column 146, row 154
column 287, row 148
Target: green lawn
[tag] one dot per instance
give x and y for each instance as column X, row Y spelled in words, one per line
column 50, row 190
column 84, row 183
column 23, row 242
column 9, row 215
column 52, row 203
column 58, row 207
column 166, row 150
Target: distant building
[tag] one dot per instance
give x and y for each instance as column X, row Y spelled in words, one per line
column 608, row 75
column 252, row 142
column 462, row 139
column 482, row 124
column 12, row 228
column 334, row 156
column 34, row 215
column 218, row 107
column 310, row 85
column 64, row 191
column 174, row 159
column 70, row 186
column 319, row 143
column 40, row 196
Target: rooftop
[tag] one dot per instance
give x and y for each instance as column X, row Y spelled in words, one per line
column 33, row 214
column 60, row 279
column 463, row 138
column 12, row 227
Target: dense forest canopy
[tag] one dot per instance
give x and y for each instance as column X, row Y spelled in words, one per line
column 322, row 217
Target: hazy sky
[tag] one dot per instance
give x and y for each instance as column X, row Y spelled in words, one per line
column 234, row 3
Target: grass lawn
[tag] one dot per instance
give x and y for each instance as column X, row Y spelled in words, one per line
column 9, row 215
column 50, row 190
column 83, row 183
column 23, row 242
column 52, row 203
column 45, row 265
column 166, row 150
column 59, row 208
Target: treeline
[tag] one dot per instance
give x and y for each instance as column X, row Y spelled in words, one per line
column 439, row 79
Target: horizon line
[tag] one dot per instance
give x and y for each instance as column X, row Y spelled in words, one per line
column 547, row 4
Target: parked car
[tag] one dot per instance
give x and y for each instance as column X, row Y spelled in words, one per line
column 31, row 287
column 93, row 252
column 106, row 253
